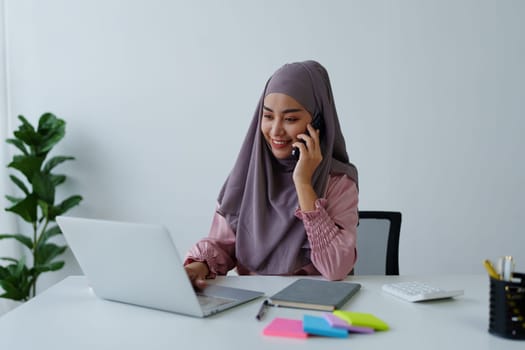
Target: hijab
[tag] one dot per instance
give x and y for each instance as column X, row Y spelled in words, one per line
column 258, row 199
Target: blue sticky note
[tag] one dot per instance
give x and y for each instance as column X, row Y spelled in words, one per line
column 319, row 326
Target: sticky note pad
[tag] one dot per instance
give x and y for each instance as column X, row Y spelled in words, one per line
column 285, row 327
column 337, row 322
column 319, row 326
column 361, row 319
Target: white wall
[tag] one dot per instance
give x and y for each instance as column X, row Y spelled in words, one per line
column 158, row 95
column 7, row 222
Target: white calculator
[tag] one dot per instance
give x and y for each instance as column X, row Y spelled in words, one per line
column 418, row 291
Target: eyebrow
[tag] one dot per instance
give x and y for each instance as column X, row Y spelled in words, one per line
column 289, row 110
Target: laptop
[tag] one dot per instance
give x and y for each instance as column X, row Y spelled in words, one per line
column 138, row 264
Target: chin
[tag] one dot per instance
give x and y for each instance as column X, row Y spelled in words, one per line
column 282, row 154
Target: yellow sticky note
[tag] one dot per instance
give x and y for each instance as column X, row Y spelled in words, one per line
column 362, row 319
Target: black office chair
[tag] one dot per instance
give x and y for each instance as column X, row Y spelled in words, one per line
column 378, row 243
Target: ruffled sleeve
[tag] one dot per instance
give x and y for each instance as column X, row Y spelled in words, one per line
column 331, row 228
column 217, row 250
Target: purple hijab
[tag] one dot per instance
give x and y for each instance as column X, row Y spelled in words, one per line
column 258, row 198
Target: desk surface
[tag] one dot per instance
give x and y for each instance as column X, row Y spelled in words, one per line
column 70, row 316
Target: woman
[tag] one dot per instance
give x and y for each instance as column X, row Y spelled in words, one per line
column 276, row 214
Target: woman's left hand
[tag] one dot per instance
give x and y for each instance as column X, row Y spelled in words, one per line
column 310, row 156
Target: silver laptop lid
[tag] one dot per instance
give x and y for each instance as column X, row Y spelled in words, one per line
column 131, row 263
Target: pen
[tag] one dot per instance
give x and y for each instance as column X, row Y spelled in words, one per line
column 262, row 310
column 508, row 268
column 490, row 269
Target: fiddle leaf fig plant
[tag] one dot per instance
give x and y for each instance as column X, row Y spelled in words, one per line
column 36, row 206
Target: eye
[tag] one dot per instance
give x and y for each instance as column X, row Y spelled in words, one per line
column 291, row 119
column 267, row 116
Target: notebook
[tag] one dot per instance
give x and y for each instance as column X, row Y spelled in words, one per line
column 139, row 264
column 315, row 294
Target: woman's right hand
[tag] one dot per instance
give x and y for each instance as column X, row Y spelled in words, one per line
column 197, row 272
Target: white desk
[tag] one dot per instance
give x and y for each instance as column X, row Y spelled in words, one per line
column 69, row 316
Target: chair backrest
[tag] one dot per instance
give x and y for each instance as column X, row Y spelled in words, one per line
column 378, row 243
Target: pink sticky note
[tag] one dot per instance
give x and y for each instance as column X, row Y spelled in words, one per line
column 285, row 327
column 337, row 322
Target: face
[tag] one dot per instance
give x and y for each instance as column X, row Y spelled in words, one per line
column 283, row 118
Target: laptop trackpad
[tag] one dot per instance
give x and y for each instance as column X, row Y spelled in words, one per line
column 230, row 293
column 211, row 302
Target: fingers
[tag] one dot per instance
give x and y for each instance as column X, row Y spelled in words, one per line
column 310, row 141
column 300, row 145
column 196, row 275
column 200, row 283
column 314, row 133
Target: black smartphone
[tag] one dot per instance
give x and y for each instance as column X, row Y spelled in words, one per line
column 317, row 123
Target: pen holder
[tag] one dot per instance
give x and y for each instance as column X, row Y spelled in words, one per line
column 507, row 307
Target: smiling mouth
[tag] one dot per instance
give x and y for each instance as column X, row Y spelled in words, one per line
column 280, row 142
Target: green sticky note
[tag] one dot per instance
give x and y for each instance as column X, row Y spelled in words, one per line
column 362, row 319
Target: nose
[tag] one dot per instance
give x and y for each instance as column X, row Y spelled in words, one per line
column 277, row 128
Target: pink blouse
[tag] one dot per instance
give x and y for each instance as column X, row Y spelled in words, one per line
column 330, row 228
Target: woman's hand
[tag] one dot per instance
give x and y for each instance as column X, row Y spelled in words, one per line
column 197, row 272
column 310, row 157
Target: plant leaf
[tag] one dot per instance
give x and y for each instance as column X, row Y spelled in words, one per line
column 28, row 165
column 57, row 179
column 57, row 265
column 44, row 207
column 16, row 280
column 53, row 162
column 28, row 242
column 18, row 144
column 64, row 206
column 47, row 252
column 26, row 208
column 50, row 232
column 43, row 187
column 3, row 273
column 10, row 291
column 52, row 130
column 16, row 269
column 27, row 134
column 12, row 199
column 20, row 184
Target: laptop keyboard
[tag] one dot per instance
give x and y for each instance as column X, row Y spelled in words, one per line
column 211, row 302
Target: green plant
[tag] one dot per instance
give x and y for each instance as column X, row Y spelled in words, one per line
column 37, row 207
